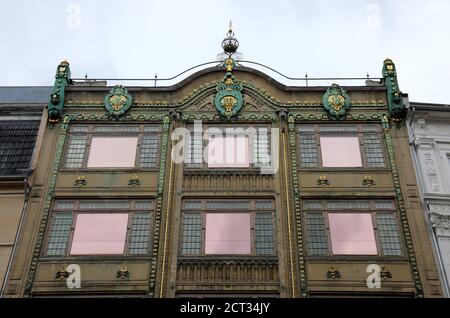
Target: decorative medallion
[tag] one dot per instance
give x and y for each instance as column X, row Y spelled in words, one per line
column 336, row 101
column 118, row 101
column 228, row 100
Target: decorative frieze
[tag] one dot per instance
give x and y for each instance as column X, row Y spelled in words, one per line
column 204, row 270
column 440, row 224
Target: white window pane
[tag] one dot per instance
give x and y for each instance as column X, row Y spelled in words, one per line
column 112, row 152
column 228, row 152
column 99, row 234
column 340, row 152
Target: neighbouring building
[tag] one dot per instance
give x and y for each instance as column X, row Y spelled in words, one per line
column 21, row 111
column 227, row 183
column 429, row 126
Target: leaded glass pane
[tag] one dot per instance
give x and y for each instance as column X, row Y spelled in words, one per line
column 76, row 151
column 193, row 205
column 316, row 234
column 139, row 234
column 308, row 151
column 384, row 205
column 264, row 204
column 373, row 148
column 351, row 204
column 104, row 205
column 64, row 205
column 370, row 128
column 116, row 129
column 306, row 128
column 388, row 234
column 312, row 205
column 261, row 147
column 194, row 153
column 338, row 128
column 143, row 205
column 152, row 128
column 59, row 234
column 192, row 234
column 264, row 234
column 227, row 205
column 78, row 128
column 149, row 151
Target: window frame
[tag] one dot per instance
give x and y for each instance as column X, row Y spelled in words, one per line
column 91, row 133
column 203, row 211
column 75, row 211
column 251, row 145
column 360, row 133
column 372, row 210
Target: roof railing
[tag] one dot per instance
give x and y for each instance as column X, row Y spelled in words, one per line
column 306, row 79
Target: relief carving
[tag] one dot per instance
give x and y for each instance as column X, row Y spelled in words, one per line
column 441, row 224
column 430, row 172
column 253, row 104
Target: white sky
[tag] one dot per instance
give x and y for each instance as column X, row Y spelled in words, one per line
column 137, row 38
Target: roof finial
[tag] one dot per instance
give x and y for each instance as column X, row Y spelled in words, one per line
column 230, row 44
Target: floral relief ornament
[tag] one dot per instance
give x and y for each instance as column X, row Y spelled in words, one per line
column 118, row 101
column 336, row 101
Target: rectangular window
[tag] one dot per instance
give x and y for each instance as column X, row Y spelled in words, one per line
column 227, row 227
column 100, row 227
column 192, row 234
column 228, row 152
column 352, row 227
column 352, row 234
column 59, row 234
column 340, row 146
column 227, row 233
column 97, row 234
column 340, row 152
column 228, row 147
column 112, row 146
column 112, row 152
column 316, row 234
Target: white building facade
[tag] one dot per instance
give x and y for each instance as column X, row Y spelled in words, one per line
column 429, row 129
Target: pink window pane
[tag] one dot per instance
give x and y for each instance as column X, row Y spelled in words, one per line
column 99, row 234
column 112, row 152
column 340, row 152
column 352, row 234
column 227, row 233
column 228, row 152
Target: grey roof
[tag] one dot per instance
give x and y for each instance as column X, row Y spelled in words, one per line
column 430, row 106
column 17, row 139
column 25, row 94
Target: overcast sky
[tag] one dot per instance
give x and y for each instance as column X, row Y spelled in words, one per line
column 138, row 38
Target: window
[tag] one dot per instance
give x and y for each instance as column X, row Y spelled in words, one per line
column 340, row 146
column 352, row 233
column 112, row 146
column 227, row 227
column 352, row 227
column 228, row 147
column 228, row 152
column 227, row 233
column 100, row 227
column 340, row 152
column 97, row 233
column 107, row 152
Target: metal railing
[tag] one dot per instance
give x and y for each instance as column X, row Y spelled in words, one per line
column 306, row 79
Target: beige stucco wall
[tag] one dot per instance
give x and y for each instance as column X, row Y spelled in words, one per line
column 11, row 205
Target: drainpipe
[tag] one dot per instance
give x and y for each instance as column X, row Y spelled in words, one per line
column 16, row 239
column 438, row 257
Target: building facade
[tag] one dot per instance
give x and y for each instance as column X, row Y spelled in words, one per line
column 20, row 121
column 429, row 126
column 228, row 183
